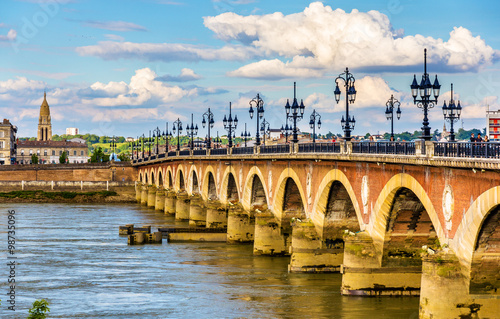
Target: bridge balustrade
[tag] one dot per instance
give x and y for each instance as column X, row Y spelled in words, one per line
column 396, row 148
column 460, row 149
column 184, row 153
column 218, row 151
column 242, row 150
column 171, row 153
column 319, row 148
column 201, row 152
column 152, row 157
column 161, row 155
column 275, row 149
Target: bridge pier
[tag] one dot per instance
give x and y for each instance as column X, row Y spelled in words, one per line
column 445, row 291
column 216, row 214
column 197, row 211
column 240, row 225
column 151, row 195
column 138, row 191
column 269, row 239
column 144, row 194
column 364, row 276
column 160, row 199
column 170, row 199
column 182, row 206
column 307, row 253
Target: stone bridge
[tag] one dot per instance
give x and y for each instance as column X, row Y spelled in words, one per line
column 399, row 219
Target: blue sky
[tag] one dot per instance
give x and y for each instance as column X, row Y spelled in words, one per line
column 125, row 67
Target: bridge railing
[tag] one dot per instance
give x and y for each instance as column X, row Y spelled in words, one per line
column 172, row 153
column 396, row 148
column 200, row 152
column 184, row 153
column 275, row 149
column 242, row 150
column 460, row 149
column 319, row 148
column 218, row 151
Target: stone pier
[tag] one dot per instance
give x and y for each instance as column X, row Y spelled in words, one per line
column 144, row 194
column 151, row 195
column 269, row 239
column 160, row 199
column 308, row 252
column 138, row 191
column 182, row 206
column 170, row 201
column 240, row 225
column 216, row 214
column 197, row 211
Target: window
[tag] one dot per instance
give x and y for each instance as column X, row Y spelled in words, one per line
column 53, row 152
column 22, row 153
column 74, row 153
column 2, row 134
column 38, row 152
column 31, row 152
column 60, row 153
column 44, row 152
column 1, row 144
column 81, row 153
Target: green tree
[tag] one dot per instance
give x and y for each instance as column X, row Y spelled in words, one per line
column 120, row 139
column 40, row 307
column 63, row 157
column 99, row 156
column 34, row 159
column 124, row 157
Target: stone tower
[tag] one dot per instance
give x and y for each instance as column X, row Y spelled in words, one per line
column 44, row 125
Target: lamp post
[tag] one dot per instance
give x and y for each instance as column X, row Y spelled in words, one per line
column 426, row 89
column 350, row 92
column 192, row 131
column 264, row 127
column 208, row 117
column 112, row 145
column 286, row 130
column 259, row 108
column 156, row 138
column 168, row 135
column 230, row 125
column 452, row 114
column 142, row 145
column 389, row 112
column 245, row 134
column 217, row 141
column 149, row 144
column 178, row 127
column 314, row 120
column 297, row 113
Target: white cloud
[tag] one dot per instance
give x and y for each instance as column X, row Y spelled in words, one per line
column 11, row 36
column 478, row 110
column 122, row 26
column 114, row 37
column 185, row 76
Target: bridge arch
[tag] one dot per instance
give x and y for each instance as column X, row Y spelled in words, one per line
column 193, row 181
column 153, row 181
column 160, row 178
column 334, row 180
column 229, row 186
column 168, row 179
column 289, row 185
column 380, row 214
column 140, row 176
column 250, row 187
column 209, row 189
column 180, row 181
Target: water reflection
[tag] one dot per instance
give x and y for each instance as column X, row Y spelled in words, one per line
column 73, row 256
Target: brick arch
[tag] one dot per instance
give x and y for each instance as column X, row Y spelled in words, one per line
column 140, row 176
column 152, row 177
column 206, row 187
column 193, row 173
column 225, row 184
column 278, row 200
column 321, row 200
column 160, row 181
column 169, row 177
column 180, row 171
column 246, row 195
column 383, row 206
column 466, row 236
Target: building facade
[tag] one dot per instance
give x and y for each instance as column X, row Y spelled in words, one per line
column 493, row 125
column 7, row 143
column 71, row 131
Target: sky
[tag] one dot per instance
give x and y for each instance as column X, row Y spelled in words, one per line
column 127, row 67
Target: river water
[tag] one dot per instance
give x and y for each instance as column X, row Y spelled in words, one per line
column 72, row 256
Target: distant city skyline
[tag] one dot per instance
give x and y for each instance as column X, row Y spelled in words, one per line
column 125, row 67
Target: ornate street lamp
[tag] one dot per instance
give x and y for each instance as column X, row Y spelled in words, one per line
column 350, row 92
column 230, row 125
column 286, row 130
column 263, row 130
column 156, row 138
column 167, row 135
column 389, row 112
column 217, row 141
column 112, row 145
column 314, row 120
column 426, row 89
column 259, row 108
column 178, row 127
column 297, row 113
column 149, row 144
column 192, row 131
column 208, row 117
column 142, row 145
column 245, row 135
column 452, row 114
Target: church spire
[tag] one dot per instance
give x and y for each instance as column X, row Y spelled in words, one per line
column 44, row 123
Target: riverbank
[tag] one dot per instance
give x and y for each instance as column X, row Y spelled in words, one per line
column 40, row 196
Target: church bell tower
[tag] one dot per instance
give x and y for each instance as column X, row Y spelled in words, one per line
column 44, row 125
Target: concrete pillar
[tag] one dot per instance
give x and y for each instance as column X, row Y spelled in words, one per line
column 445, row 291
column 308, row 253
column 144, row 194
column 197, row 211
column 138, row 191
column 170, row 200
column 160, row 199
column 240, row 225
column 216, row 214
column 364, row 276
column 182, row 206
column 151, row 195
column 269, row 239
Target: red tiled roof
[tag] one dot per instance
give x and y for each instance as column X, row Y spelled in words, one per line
column 50, row 144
